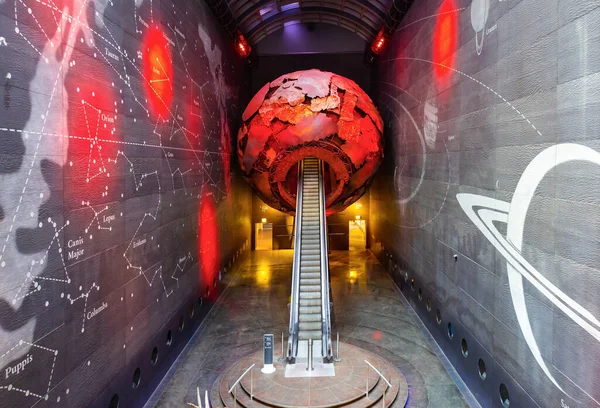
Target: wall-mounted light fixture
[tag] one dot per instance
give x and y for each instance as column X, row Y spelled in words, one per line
column 392, row 19
column 380, row 42
column 263, row 220
column 241, row 45
column 357, row 217
column 224, row 15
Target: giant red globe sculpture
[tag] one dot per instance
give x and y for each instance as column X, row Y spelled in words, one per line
column 310, row 113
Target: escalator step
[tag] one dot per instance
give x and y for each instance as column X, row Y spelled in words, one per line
column 312, row 243
column 310, row 309
column 310, row 288
column 306, row 335
column 310, row 317
column 311, row 228
column 310, row 275
column 309, row 257
column 310, row 326
column 310, row 295
column 310, row 302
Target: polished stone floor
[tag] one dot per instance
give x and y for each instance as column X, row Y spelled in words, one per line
column 368, row 312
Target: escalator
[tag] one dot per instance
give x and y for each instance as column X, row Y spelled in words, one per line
column 310, row 307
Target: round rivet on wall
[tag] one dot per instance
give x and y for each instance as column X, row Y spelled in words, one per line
column 420, row 294
column 412, row 285
column 438, row 316
column 482, row 371
column 504, row 396
column 137, row 378
column 181, row 324
column 450, row 331
column 191, row 311
column 169, row 338
column 464, row 347
column 154, row 356
column 405, row 276
column 200, row 300
column 114, row 401
column 429, row 304
column 214, row 282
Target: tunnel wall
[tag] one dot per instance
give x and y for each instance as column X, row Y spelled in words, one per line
column 120, row 210
column 485, row 210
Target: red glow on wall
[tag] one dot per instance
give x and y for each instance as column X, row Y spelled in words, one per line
column 445, row 39
column 208, row 243
column 158, row 72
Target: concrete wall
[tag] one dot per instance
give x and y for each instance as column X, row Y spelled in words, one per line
column 119, row 211
column 486, row 208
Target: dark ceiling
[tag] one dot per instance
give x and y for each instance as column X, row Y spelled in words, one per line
column 259, row 18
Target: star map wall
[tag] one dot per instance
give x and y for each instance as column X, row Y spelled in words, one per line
column 486, row 207
column 119, row 213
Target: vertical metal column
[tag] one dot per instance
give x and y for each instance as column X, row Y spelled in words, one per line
column 310, row 356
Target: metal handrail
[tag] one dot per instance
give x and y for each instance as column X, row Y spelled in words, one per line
column 293, row 329
column 241, row 376
column 326, row 348
column 381, row 375
column 240, row 379
column 206, row 402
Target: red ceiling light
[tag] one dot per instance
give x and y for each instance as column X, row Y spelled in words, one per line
column 241, row 45
column 379, row 43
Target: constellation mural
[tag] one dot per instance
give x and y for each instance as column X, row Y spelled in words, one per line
column 111, row 141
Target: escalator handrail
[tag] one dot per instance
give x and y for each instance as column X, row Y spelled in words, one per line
column 325, row 301
column 293, row 329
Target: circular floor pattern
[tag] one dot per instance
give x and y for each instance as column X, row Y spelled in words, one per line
column 348, row 388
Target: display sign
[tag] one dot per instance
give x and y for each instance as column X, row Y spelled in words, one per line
column 268, row 349
column 268, row 343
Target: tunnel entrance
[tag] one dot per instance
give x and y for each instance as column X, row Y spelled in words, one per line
column 263, row 231
column 357, row 234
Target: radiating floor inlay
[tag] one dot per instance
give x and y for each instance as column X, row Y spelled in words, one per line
column 367, row 310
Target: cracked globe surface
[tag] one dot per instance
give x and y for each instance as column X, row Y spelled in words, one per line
column 310, row 113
